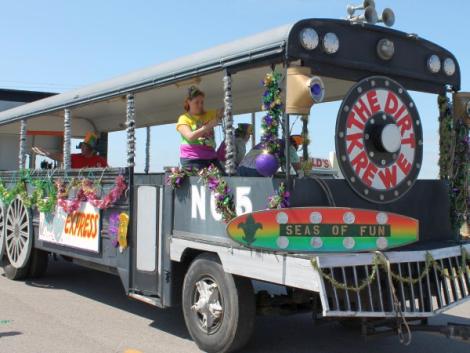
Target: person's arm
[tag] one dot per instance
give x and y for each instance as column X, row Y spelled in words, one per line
column 294, row 159
column 240, row 150
column 191, row 136
column 103, row 162
column 219, row 114
column 296, row 166
column 57, row 156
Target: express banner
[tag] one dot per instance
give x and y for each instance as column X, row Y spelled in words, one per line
column 80, row 229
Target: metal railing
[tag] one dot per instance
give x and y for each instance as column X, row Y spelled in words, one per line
column 422, row 289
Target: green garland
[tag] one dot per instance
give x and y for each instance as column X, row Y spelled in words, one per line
column 37, row 198
column 445, row 137
column 281, row 199
column 454, row 160
column 272, row 104
column 45, row 194
column 224, row 204
column 7, row 196
column 212, row 179
column 306, row 164
column 42, row 188
column 380, row 261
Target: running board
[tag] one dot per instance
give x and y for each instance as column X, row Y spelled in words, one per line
column 145, row 299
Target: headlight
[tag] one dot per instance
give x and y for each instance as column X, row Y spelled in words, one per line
column 309, row 38
column 330, row 43
column 449, row 66
column 434, row 64
column 385, row 49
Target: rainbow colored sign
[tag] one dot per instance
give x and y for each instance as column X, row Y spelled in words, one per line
column 323, row 229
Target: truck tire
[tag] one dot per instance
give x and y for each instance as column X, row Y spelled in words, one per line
column 38, row 263
column 219, row 308
column 14, row 273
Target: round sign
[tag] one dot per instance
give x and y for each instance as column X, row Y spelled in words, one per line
column 379, row 140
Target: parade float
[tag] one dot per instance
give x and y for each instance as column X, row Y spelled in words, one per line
column 372, row 243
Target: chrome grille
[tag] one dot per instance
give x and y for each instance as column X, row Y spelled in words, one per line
column 436, row 291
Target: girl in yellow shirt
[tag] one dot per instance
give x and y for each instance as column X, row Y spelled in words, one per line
column 196, row 126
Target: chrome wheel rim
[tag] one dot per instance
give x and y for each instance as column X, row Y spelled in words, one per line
column 207, row 305
column 18, row 236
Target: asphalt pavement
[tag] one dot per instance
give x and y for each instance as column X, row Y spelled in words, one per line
column 75, row 309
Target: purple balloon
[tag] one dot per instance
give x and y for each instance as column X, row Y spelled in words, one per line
column 266, row 164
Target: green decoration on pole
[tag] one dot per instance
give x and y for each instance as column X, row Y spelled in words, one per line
column 454, row 160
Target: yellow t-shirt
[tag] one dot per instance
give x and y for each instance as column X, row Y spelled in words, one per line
column 203, row 147
column 195, row 122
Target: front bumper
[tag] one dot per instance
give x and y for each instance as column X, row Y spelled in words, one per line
column 425, row 282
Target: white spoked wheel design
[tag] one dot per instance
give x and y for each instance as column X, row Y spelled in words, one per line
column 2, row 230
column 18, row 233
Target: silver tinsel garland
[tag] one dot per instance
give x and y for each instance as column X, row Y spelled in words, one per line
column 229, row 132
column 22, row 149
column 130, row 127
column 67, row 138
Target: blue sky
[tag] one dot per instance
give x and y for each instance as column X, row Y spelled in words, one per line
column 59, row 45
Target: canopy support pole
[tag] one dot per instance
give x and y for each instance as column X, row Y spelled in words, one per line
column 287, row 147
column 147, row 150
column 253, row 125
column 229, row 132
column 130, row 129
column 22, row 148
column 305, row 142
column 67, row 138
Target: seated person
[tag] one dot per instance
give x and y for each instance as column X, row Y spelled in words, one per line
column 248, row 164
column 196, row 126
column 242, row 135
column 295, row 142
column 87, row 158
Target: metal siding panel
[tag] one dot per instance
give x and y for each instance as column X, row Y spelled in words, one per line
column 146, row 228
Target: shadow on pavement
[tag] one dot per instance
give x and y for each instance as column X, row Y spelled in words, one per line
column 273, row 334
column 107, row 289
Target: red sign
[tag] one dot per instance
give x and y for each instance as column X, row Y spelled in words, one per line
column 379, row 139
column 321, row 163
